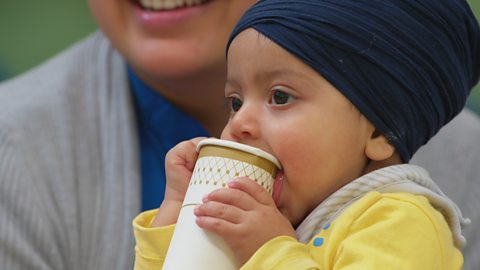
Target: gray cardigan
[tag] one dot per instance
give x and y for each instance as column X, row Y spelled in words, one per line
column 69, row 172
column 69, row 177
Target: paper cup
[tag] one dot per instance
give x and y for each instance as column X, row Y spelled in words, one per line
column 219, row 161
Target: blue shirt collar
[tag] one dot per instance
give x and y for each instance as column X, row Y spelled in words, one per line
column 161, row 126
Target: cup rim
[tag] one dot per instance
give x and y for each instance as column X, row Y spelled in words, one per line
column 243, row 147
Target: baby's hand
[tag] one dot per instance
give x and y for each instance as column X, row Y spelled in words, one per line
column 179, row 164
column 244, row 215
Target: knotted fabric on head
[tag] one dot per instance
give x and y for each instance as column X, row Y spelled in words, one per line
column 407, row 65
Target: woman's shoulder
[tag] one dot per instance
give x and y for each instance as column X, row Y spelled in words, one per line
column 459, row 138
column 78, row 95
column 71, row 77
column 74, row 61
column 453, row 155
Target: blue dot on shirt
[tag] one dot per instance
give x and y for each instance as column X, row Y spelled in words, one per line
column 326, row 226
column 317, row 241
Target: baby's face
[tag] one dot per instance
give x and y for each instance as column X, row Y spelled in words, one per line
column 284, row 107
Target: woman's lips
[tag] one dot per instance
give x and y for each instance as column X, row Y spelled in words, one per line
column 168, row 4
column 163, row 18
column 277, row 187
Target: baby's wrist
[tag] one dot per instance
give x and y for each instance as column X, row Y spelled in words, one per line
column 167, row 213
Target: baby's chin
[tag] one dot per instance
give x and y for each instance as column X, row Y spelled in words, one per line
column 295, row 221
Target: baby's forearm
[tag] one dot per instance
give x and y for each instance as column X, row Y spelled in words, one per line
column 167, row 213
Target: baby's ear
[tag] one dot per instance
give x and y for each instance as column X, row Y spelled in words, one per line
column 378, row 148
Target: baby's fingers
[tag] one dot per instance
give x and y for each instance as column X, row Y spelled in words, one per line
column 233, row 197
column 219, row 210
column 253, row 189
column 215, row 225
column 183, row 154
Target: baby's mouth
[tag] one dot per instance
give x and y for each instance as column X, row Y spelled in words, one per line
column 166, row 5
column 277, row 187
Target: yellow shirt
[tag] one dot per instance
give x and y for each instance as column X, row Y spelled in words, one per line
column 379, row 231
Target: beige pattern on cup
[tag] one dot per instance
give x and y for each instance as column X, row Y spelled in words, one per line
column 219, row 171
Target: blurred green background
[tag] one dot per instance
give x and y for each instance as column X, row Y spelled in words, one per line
column 32, row 31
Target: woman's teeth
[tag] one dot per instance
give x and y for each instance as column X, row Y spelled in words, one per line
column 169, row 4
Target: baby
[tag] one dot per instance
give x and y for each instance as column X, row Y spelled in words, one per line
column 343, row 93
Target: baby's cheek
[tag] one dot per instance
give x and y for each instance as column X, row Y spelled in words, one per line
column 226, row 135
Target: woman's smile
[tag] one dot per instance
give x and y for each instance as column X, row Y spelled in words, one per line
column 163, row 5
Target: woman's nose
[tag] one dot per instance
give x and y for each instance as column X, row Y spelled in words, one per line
column 244, row 125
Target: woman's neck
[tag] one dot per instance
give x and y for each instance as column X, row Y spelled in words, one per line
column 201, row 96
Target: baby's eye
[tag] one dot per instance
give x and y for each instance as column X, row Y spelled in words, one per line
column 235, row 103
column 280, row 97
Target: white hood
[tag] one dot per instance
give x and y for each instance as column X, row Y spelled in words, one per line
column 398, row 178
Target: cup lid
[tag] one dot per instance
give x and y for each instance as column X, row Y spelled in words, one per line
column 243, row 147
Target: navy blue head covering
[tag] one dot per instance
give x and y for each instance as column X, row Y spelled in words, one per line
column 407, row 65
